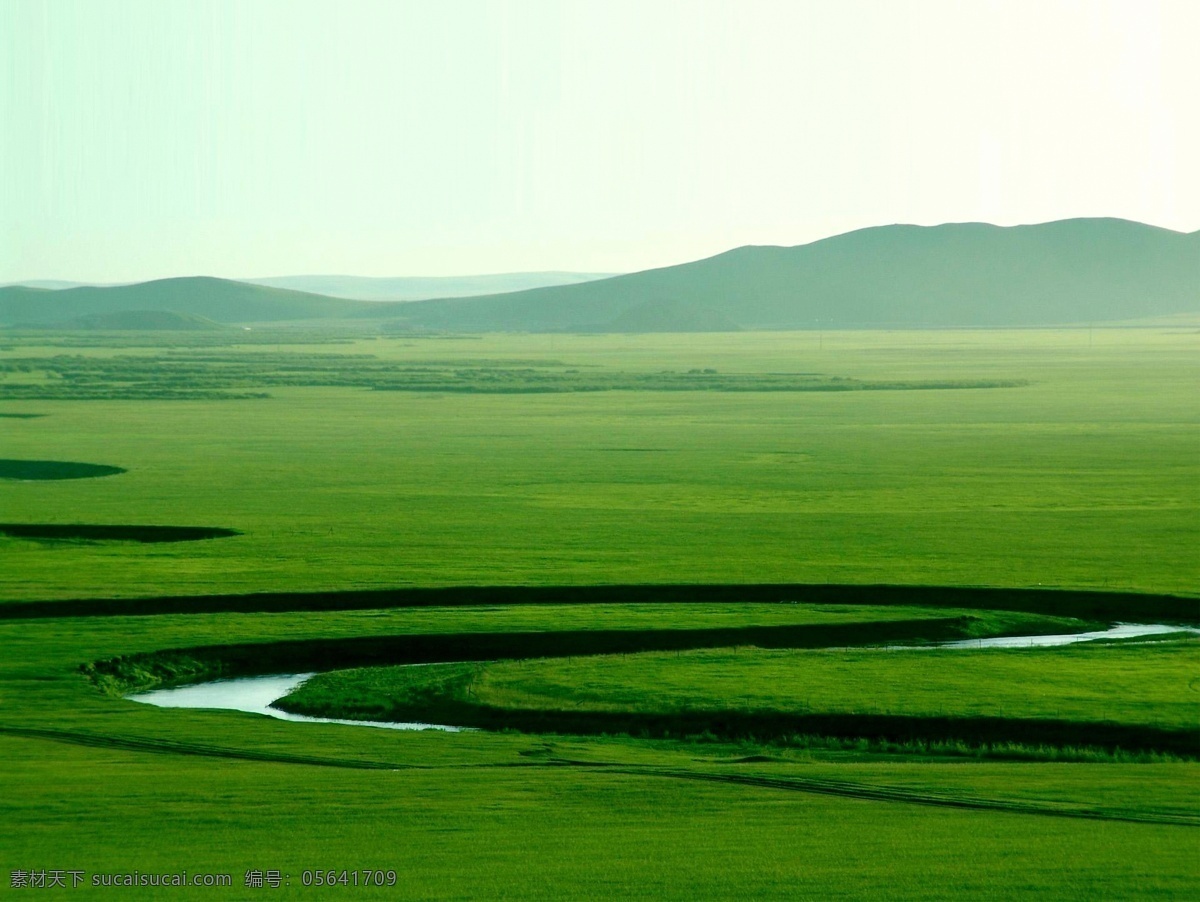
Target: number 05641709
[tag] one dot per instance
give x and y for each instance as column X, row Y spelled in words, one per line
column 344, row 877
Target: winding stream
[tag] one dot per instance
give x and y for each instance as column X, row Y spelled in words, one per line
column 1119, row 631
column 255, row 694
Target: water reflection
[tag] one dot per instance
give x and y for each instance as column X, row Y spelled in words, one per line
column 254, row 695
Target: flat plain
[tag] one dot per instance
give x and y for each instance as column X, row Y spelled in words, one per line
column 1085, row 477
column 1059, row 459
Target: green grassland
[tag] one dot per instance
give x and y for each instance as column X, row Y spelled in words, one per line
column 782, row 693
column 466, row 814
column 555, row 833
column 1137, row 685
column 1083, row 478
column 44, row 685
column 1076, row 469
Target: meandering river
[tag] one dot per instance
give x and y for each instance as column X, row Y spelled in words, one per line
column 255, row 694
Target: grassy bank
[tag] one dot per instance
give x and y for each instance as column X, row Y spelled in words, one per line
column 1108, row 697
column 662, row 627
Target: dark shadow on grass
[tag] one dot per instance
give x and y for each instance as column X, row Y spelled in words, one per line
column 1085, row 605
column 90, row 532
column 54, row 469
column 780, row 726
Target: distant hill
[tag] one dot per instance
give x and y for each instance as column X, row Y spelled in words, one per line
column 900, row 276
column 53, row 284
column 971, row 274
column 215, row 299
column 670, row 315
column 412, row 288
column 136, row 320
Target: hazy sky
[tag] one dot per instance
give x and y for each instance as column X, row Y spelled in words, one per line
column 168, row 137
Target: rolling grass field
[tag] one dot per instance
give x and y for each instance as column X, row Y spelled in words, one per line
column 1135, row 698
column 1082, row 475
column 1138, row 685
column 1084, row 478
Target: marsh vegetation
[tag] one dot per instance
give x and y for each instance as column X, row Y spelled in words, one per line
column 181, row 375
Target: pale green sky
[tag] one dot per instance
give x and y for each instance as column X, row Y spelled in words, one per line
column 148, row 138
